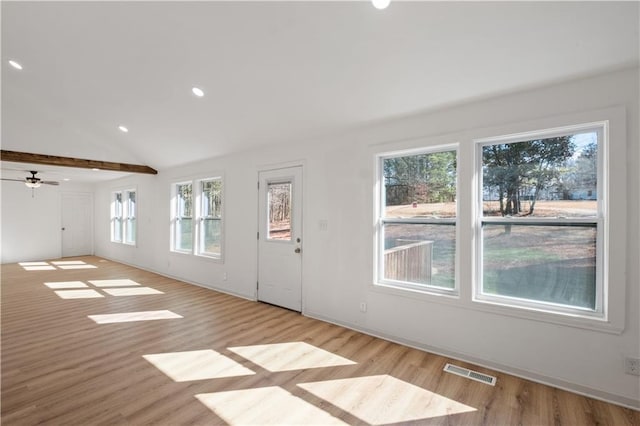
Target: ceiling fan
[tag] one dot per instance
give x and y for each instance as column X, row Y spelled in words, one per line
column 32, row 181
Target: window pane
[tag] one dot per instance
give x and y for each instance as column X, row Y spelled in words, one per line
column 420, row 185
column 184, row 213
column 116, row 231
column 130, row 220
column 184, row 236
column 554, row 264
column 212, row 198
column 132, row 204
column 279, row 205
column 553, row 177
column 210, row 235
column 130, row 236
column 420, row 254
column 116, row 217
column 184, row 199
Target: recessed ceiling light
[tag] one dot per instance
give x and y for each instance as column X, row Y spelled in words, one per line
column 123, row 129
column 197, row 91
column 66, row 179
column 380, row 4
column 15, row 64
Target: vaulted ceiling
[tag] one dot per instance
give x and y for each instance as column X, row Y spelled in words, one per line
column 275, row 72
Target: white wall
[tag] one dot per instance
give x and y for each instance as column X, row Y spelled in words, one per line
column 338, row 262
column 31, row 221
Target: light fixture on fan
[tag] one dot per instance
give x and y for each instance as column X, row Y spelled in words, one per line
column 32, row 181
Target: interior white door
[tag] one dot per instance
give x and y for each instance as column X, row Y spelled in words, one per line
column 77, row 219
column 280, row 237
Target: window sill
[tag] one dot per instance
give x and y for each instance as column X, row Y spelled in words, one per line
column 415, row 292
column 218, row 259
column 502, row 309
column 538, row 314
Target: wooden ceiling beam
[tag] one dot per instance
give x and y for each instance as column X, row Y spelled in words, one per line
column 53, row 160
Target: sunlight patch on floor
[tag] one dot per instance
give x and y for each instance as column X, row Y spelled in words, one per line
column 197, row 365
column 78, row 294
column 133, row 316
column 68, row 262
column 384, row 399
column 290, row 356
column 131, row 291
column 33, row 264
column 265, row 406
column 67, row 284
column 86, row 266
column 39, row 268
column 114, row 283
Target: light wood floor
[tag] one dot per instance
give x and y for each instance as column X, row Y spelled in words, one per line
column 228, row 360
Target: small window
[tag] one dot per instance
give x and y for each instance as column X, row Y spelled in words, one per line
column 417, row 221
column 279, row 202
column 541, row 221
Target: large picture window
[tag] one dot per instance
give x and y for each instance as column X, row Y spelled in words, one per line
column 417, row 220
column 197, row 217
column 123, row 216
column 541, row 220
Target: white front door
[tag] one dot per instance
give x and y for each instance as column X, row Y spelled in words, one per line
column 77, row 219
column 280, row 237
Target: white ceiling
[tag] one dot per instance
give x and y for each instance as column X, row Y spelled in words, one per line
column 275, row 71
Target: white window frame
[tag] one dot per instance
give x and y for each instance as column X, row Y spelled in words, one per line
column 129, row 216
column 202, row 218
column 125, row 214
column 117, row 214
column 601, row 222
column 197, row 218
column 177, row 217
column 381, row 221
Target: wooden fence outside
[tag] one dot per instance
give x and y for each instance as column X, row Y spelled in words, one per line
column 409, row 262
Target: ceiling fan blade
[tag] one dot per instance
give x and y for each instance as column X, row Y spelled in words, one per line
column 49, row 182
column 14, row 180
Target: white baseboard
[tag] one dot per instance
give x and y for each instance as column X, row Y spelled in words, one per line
column 511, row 370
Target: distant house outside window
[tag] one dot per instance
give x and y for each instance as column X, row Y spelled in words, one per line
column 540, row 219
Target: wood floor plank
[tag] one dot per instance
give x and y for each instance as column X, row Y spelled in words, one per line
column 59, row 367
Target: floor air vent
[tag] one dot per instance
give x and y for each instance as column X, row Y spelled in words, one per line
column 473, row 375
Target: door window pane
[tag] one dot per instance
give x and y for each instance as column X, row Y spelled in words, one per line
column 279, row 205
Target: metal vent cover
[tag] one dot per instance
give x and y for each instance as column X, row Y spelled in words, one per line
column 470, row 374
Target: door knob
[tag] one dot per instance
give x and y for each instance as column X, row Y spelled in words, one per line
column 63, row 229
column 297, row 250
